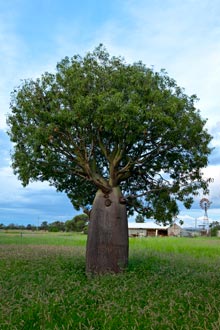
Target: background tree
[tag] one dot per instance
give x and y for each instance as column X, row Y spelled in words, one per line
column 12, row 226
column 78, row 223
column 214, row 228
column 30, row 227
column 44, row 225
column 69, row 225
column 139, row 218
column 117, row 136
column 56, row 226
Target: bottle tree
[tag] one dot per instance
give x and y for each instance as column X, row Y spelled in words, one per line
column 116, row 138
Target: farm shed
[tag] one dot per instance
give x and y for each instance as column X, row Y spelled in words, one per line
column 174, row 230
column 146, row 229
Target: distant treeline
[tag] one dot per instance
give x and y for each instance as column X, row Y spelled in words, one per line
column 79, row 224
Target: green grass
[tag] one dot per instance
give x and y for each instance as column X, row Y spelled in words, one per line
column 170, row 284
column 42, row 238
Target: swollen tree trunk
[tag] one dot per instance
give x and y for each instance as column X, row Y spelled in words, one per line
column 107, row 243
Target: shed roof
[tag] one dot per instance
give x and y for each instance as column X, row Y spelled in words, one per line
column 145, row 225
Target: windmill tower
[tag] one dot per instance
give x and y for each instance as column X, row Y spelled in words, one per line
column 205, row 204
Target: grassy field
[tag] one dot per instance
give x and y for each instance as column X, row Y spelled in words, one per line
column 171, row 283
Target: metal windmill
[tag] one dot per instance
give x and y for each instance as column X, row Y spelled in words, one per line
column 205, row 204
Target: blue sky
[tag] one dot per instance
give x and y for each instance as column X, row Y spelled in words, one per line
column 181, row 36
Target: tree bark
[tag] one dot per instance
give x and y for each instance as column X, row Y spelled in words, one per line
column 107, row 243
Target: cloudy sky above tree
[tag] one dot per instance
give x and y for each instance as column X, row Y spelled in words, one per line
column 181, row 37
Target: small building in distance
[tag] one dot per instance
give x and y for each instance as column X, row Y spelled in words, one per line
column 139, row 229
column 174, row 230
column 144, row 229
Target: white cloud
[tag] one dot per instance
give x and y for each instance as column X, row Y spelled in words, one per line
column 213, row 171
column 182, row 37
column 29, row 204
column 14, row 191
